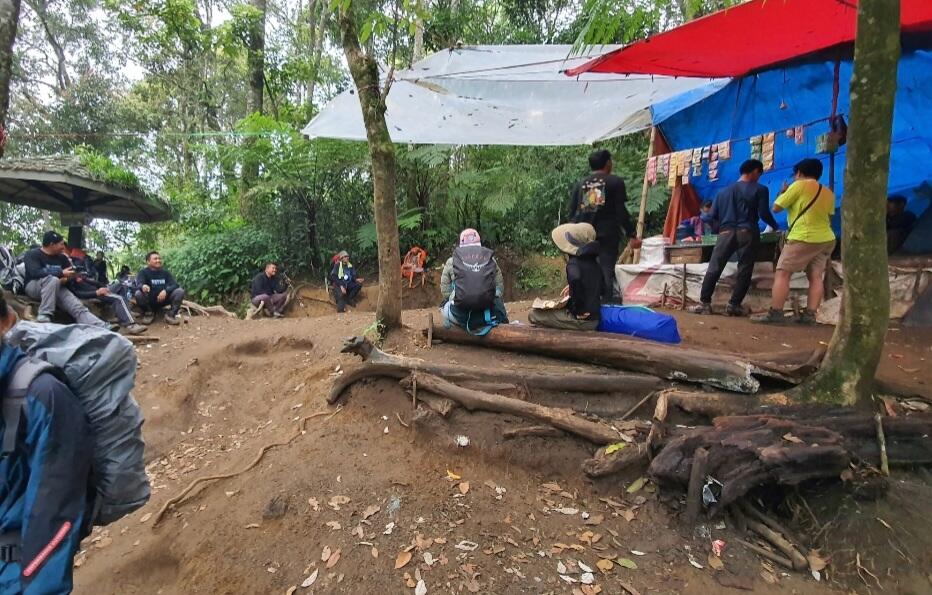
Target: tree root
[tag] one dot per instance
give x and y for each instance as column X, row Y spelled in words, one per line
column 178, row 498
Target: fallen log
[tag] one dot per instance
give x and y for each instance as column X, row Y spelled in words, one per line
column 697, row 473
column 672, row 362
column 535, row 431
column 206, row 311
column 563, row 419
column 400, row 366
column 602, row 464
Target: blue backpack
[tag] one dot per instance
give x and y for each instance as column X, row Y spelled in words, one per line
column 639, row 321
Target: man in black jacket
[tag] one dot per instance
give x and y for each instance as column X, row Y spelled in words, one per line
column 584, row 281
column 268, row 288
column 599, row 200
column 158, row 290
column 48, row 273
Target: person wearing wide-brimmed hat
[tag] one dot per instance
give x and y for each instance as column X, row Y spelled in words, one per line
column 583, row 277
column 346, row 285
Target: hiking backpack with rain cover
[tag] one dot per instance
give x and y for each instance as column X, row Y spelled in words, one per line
column 473, row 278
column 100, row 369
column 12, row 272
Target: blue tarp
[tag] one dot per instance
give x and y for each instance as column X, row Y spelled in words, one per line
column 783, row 98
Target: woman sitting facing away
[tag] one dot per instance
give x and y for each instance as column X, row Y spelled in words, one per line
column 583, row 277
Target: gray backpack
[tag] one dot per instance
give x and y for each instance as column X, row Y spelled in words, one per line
column 100, row 369
column 473, row 278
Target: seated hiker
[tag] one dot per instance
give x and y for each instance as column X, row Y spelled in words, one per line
column 809, row 241
column 583, row 277
column 739, row 208
column 46, row 471
column 346, row 285
column 268, row 289
column 100, row 267
column 413, row 264
column 48, row 272
column 899, row 222
column 85, row 287
column 158, row 290
column 472, row 287
column 698, row 226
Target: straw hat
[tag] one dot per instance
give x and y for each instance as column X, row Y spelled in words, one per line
column 570, row 237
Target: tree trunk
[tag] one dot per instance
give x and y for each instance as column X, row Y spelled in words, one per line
column 365, row 73
column 255, row 63
column 9, row 19
column 317, row 52
column 847, row 373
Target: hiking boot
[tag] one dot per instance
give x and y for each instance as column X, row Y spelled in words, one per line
column 806, row 317
column 701, row 308
column 134, row 329
column 172, row 319
column 277, row 315
column 147, row 318
column 771, row 316
column 733, row 310
column 43, row 318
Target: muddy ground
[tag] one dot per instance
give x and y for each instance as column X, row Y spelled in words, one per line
column 350, row 495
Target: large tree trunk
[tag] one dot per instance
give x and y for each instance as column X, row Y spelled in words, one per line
column 317, row 51
column 9, row 19
column 365, row 73
column 848, row 370
column 730, row 372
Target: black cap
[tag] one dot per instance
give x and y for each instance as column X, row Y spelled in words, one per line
column 52, row 237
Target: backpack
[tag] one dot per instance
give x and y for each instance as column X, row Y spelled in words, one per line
column 473, row 278
column 100, row 369
column 639, row 321
column 12, row 272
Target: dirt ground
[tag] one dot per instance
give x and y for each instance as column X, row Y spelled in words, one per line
column 347, row 500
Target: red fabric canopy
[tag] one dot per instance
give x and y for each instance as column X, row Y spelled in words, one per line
column 748, row 37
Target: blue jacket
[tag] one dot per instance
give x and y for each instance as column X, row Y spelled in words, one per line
column 44, row 495
column 742, row 205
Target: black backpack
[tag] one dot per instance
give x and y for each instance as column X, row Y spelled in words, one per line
column 473, row 278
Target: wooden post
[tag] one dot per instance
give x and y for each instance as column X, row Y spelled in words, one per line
column 645, row 187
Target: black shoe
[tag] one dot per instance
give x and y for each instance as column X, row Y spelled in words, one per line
column 733, row 310
column 701, row 308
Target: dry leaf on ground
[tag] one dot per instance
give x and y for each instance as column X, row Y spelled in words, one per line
column 333, row 559
column 402, row 560
column 464, row 487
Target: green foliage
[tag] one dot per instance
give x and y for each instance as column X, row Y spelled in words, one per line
column 540, row 276
column 213, row 266
column 366, row 238
column 104, row 169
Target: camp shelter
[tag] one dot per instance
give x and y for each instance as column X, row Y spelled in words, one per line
column 508, row 95
column 63, row 184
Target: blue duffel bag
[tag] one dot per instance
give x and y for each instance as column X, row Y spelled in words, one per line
column 639, row 321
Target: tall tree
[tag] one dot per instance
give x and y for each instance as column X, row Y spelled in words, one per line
column 255, row 65
column 372, row 94
column 847, row 373
column 9, row 19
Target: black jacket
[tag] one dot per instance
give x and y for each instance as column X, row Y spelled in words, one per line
column 600, row 200
column 263, row 284
column 584, row 276
column 157, row 280
column 40, row 265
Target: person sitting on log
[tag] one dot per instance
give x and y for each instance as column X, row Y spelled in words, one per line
column 472, row 287
column 158, row 290
column 48, row 273
column 583, row 277
column 87, row 287
column 268, row 288
column 346, row 285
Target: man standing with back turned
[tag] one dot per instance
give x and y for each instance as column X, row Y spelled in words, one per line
column 599, row 200
column 738, row 208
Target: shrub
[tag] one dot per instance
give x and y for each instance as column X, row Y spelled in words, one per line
column 213, row 267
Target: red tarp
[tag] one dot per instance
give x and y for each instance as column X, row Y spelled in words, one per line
column 748, row 37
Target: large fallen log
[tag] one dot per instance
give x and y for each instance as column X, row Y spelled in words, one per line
column 379, row 363
column 673, row 362
column 563, row 419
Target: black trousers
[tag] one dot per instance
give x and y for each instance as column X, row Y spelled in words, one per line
column 730, row 241
column 352, row 292
column 149, row 302
column 608, row 256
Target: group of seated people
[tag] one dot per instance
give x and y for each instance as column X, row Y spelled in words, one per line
column 59, row 278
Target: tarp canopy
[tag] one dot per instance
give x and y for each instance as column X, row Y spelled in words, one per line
column 749, row 37
column 61, row 183
column 507, row 95
column 781, row 99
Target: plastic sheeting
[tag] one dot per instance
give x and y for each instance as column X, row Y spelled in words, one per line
column 779, row 100
column 508, row 95
column 749, row 37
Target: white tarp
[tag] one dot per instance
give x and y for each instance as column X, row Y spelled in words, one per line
column 507, row 95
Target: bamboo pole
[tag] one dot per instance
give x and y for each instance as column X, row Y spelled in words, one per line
column 645, row 187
